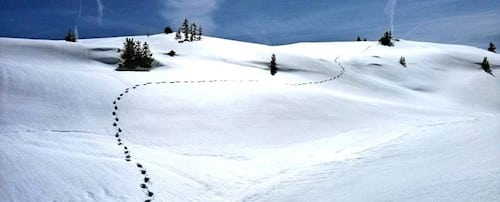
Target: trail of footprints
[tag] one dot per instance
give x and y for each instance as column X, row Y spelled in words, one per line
column 146, row 183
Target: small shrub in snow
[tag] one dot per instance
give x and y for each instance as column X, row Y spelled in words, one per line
column 272, row 65
column 486, row 66
column 168, row 30
column 402, row 61
column 171, row 53
column 386, row 40
column 492, row 48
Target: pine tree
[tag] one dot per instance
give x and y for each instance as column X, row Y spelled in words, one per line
column 193, row 31
column 272, row 65
column 402, row 61
column 364, row 39
column 492, row 48
column 128, row 55
column 135, row 55
column 70, row 36
column 199, row 32
column 178, row 34
column 486, row 66
column 146, row 58
column 185, row 29
column 358, row 39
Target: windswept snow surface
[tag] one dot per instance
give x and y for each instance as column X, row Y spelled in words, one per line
column 212, row 124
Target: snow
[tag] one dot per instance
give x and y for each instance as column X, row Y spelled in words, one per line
column 212, row 124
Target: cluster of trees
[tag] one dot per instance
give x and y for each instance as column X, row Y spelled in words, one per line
column 135, row 55
column 70, row 36
column 386, row 40
column 189, row 32
column 359, row 39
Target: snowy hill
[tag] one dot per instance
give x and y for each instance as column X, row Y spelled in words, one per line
column 341, row 121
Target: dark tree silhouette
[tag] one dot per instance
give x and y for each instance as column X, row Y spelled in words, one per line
column 178, row 34
column 185, row 29
column 358, row 39
column 200, row 32
column 492, row 48
column 486, row 66
column 171, row 53
column 168, row 30
column 402, row 61
column 193, row 32
column 273, row 66
column 386, row 40
column 70, row 36
column 134, row 55
column 146, row 58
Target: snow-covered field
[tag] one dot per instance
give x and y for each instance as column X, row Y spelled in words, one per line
column 340, row 121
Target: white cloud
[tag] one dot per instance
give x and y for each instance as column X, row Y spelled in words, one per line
column 199, row 11
column 100, row 10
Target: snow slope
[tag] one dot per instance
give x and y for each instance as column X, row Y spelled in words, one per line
column 341, row 121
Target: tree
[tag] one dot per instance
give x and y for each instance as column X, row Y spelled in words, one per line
column 136, row 55
column 358, row 39
column 168, row 30
column 185, row 29
column 178, row 34
column 272, row 65
column 486, row 66
column 364, row 39
column 128, row 55
column 146, row 58
column 402, row 61
column 193, row 32
column 386, row 40
column 70, row 36
column 492, row 48
column 199, row 32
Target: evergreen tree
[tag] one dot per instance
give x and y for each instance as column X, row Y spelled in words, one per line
column 486, row 66
column 70, row 36
column 199, row 32
column 364, row 39
column 358, row 39
column 193, row 32
column 492, row 48
column 386, row 40
column 272, row 65
column 185, row 29
column 178, row 34
column 146, row 58
column 402, row 61
column 135, row 55
column 129, row 54
column 168, row 30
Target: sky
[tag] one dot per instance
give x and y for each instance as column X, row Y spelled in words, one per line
column 273, row 22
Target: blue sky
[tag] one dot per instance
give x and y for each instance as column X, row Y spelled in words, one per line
column 471, row 22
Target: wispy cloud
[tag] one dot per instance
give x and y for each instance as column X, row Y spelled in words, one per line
column 100, row 11
column 200, row 11
column 470, row 29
